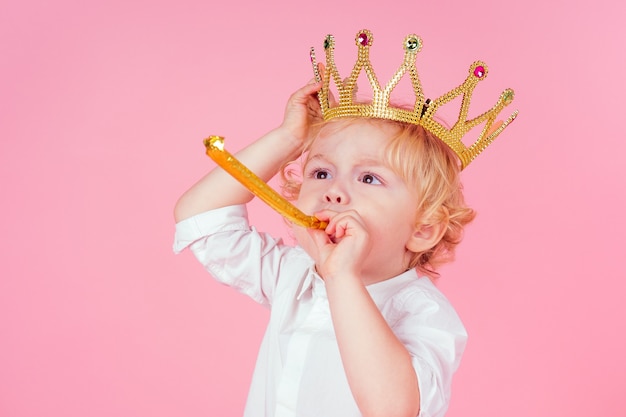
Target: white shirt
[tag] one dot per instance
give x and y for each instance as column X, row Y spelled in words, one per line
column 299, row 370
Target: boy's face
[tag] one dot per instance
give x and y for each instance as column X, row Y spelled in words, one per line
column 346, row 170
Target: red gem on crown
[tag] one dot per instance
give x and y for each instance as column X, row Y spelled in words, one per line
column 363, row 39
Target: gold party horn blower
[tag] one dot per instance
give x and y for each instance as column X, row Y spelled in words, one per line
column 215, row 150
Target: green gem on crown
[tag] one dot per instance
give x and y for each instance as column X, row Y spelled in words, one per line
column 508, row 97
column 412, row 44
column 327, row 42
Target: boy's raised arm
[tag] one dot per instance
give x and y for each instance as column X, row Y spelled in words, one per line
column 264, row 157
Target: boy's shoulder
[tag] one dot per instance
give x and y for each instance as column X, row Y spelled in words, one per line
column 411, row 295
column 407, row 284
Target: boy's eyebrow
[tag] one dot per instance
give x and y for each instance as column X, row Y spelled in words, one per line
column 371, row 161
column 314, row 157
column 366, row 161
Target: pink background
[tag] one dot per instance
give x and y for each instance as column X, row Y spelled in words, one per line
column 103, row 108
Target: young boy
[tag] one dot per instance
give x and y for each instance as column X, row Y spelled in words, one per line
column 354, row 330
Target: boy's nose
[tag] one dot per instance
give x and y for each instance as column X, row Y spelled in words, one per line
column 335, row 196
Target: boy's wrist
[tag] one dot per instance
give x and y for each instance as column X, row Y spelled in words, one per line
column 289, row 141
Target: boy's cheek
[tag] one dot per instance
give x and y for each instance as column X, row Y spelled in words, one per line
column 305, row 201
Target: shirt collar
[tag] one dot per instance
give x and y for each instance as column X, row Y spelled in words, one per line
column 379, row 291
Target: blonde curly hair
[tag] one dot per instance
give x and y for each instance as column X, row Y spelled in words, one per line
column 429, row 167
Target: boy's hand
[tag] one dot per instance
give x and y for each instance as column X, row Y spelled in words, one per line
column 302, row 110
column 342, row 246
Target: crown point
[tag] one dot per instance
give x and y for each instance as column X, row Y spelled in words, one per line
column 413, row 43
column 328, row 41
column 479, row 71
column 362, row 39
column 508, row 96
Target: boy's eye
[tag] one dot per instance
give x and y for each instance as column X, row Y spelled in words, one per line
column 370, row 179
column 320, row 174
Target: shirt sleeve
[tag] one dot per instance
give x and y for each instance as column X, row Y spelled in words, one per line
column 234, row 253
column 434, row 335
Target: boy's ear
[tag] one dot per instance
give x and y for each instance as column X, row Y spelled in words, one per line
column 425, row 236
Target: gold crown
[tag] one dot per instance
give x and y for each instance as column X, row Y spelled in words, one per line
column 423, row 111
